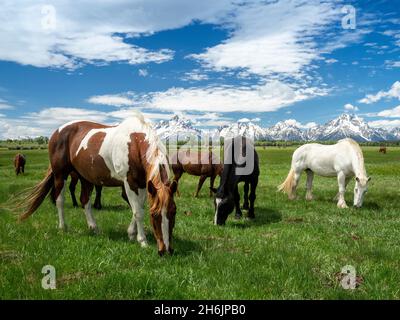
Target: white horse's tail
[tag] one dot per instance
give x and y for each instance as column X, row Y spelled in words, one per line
column 287, row 185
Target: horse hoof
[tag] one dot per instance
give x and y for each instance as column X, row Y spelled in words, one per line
column 238, row 216
column 63, row 228
column 93, row 229
column 161, row 253
column 144, row 244
column 342, row 206
column 245, row 207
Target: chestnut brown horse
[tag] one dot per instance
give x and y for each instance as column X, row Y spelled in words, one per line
column 128, row 155
column 202, row 163
column 19, row 163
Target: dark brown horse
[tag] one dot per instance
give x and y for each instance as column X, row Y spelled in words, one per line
column 97, row 201
column 129, row 155
column 382, row 150
column 203, row 164
column 19, row 163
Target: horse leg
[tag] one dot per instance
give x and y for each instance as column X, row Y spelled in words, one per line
column 212, row 179
column 97, row 201
column 310, row 177
column 342, row 189
column 72, row 188
column 23, row 169
column 86, row 193
column 236, row 198
column 201, row 181
column 59, row 195
column 296, row 179
column 253, row 187
column 124, row 196
column 177, row 176
column 336, row 198
column 246, row 196
column 136, row 227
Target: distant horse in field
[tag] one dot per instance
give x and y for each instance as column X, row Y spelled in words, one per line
column 128, row 155
column 19, row 163
column 383, row 150
column 241, row 164
column 97, row 202
column 203, row 164
column 343, row 159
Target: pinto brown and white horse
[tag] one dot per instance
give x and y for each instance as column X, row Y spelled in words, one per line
column 128, row 155
column 201, row 164
column 19, row 163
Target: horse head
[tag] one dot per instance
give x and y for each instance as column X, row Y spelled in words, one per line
column 162, row 213
column 360, row 189
column 224, row 205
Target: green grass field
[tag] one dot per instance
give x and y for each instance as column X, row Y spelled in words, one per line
column 293, row 250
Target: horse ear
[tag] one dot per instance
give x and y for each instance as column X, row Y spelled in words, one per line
column 174, row 186
column 369, row 179
column 151, row 188
column 213, row 190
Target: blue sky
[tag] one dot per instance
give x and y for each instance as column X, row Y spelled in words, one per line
column 213, row 61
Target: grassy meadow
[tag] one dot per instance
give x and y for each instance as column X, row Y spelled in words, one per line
column 293, row 250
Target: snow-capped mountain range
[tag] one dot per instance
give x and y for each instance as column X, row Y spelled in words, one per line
column 345, row 126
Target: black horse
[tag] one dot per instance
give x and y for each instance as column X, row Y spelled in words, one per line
column 97, row 202
column 240, row 165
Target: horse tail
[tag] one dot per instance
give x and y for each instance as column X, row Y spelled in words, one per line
column 33, row 198
column 287, row 185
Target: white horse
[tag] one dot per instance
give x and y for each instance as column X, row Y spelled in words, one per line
column 343, row 159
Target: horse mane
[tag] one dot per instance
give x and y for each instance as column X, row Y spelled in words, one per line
column 158, row 170
column 358, row 151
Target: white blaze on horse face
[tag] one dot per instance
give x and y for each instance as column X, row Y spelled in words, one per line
column 165, row 227
column 360, row 190
column 217, row 203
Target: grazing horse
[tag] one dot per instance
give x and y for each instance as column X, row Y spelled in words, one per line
column 128, row 155
column 383, row 150
column 236, row 169
column 203, row 164
column 343, row 159
column 19, row 163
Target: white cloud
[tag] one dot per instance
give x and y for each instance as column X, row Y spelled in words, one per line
column 271, row 37
column 111, row 100
column 392, row 64
column 390, row 113
column 4, row 105
column 143, row 72
column 350, row 107
column 46, row 121
column 331, row 61
column 386, row 124
column 270, row 96
column 394, row 92
column 194, row 75
column 93, row 31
